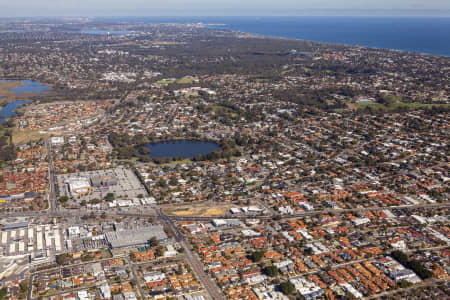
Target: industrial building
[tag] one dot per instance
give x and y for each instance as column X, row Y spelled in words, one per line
column 128, row 238
column 22, row 238
column 106, row 180
column 121, row 182
column 78, row 186
column 13, row 226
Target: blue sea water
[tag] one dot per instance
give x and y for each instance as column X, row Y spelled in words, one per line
column 415, row 34
column 424, row 35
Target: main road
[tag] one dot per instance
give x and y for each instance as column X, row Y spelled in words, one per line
column 70, row 213
column 210, row 286
column 53, row 204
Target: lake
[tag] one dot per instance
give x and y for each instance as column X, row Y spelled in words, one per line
column 180, row 148
column 29, row 86
column 9, row 109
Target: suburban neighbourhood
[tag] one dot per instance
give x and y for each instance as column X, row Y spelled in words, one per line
column 307, row 170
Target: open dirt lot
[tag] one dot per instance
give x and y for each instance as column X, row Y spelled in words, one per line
column 199, row 210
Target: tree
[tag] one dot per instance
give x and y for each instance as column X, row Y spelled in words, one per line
column 287, row 288
column 62, row 259
column 271, row 271
column 154, row 242
column 109, row 197
column 413, row 264
column 257, row 256
column 308, row 251
column 63, row 199
column 404, row 284
column 133, row 257
column 3, row 293
column 23, row 287
column 160, row 251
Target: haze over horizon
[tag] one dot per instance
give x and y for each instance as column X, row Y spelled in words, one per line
column 103, row 8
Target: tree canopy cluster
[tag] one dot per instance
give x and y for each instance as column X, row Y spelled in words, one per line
column 412, row 264
column 129, row 147
column 8, row 151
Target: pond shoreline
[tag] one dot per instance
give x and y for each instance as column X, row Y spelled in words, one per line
column 179, row 148
column 12, row 95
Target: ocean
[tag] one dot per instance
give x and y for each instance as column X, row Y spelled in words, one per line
column 415, row 34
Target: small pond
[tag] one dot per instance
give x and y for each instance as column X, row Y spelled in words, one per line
column 180, row 148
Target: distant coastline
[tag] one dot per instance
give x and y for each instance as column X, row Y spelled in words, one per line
column 411, row 34
column 423, row 35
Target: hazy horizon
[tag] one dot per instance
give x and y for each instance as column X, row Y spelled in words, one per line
column 211, row 8
column 438, row 14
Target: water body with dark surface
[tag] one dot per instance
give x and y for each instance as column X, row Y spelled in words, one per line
column 9, row 109
column 180, row 148
column 31, row 87
column 423, row 35
column 415, row 34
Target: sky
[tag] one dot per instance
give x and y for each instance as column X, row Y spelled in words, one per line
column 91, row 8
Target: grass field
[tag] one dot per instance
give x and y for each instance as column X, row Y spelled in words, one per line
column 153, row 57
column 25, row 136
column 217, row 108
column 165, row 81
column 185, row 80
column 180, row 162
column 220, row 108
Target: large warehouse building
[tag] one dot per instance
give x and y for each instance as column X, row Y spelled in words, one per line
column 78, row 186
column 128, row 238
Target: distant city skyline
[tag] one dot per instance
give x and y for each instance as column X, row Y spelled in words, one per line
column 91, row 8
